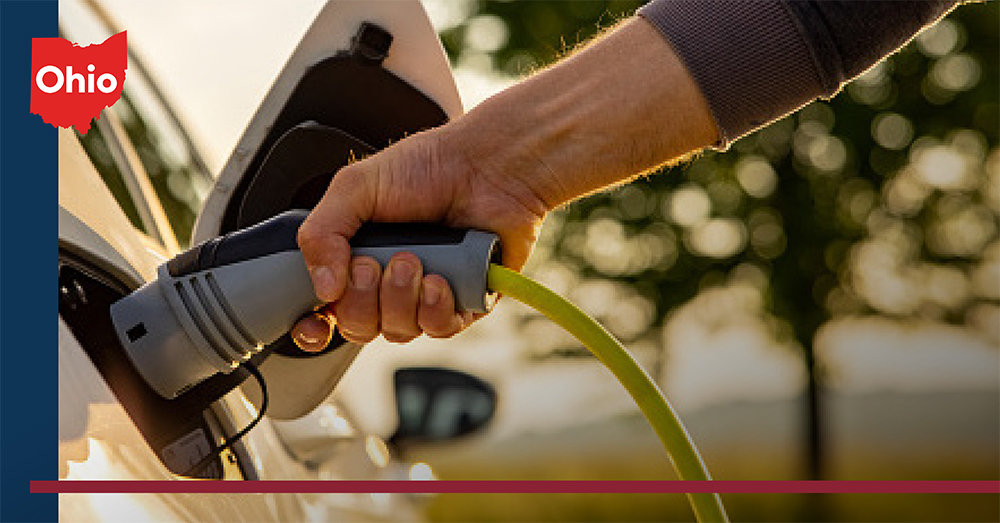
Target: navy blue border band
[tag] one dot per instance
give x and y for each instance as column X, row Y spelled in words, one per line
column 28, row 275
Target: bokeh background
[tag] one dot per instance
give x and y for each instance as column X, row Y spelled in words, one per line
column 820, row 301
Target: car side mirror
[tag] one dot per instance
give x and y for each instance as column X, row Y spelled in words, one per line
column 436, row 404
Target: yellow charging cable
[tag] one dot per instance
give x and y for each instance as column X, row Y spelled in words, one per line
column 683, row 454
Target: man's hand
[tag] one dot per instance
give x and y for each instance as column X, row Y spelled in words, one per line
column 425, row 178
column 622, row 105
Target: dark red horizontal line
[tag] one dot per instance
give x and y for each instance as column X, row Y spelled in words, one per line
column 518, row 487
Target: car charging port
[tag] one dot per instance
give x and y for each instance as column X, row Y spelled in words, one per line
column 180, row 431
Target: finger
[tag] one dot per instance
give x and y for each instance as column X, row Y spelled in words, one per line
column 436, row 315
column 312, row 333
column 323, row 236
column 357, row 311
column 400, row 292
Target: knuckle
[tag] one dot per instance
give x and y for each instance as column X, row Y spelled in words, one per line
column 310, row 236
column 349, row 173
column 351, row 181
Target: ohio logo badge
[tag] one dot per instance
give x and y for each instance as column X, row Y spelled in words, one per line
column 71, row 85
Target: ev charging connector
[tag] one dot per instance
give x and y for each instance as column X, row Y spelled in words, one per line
column 217, row 304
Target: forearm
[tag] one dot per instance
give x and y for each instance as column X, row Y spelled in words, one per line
column 620, row 106
column 706, row 74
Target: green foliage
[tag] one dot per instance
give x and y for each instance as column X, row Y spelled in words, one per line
column 538, row 32
column 883, row 200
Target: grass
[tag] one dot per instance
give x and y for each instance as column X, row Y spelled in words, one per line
column 627, row 449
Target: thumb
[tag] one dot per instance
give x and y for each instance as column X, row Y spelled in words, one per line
column 323, row 237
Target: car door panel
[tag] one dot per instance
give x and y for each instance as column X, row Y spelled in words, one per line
column 98, row 438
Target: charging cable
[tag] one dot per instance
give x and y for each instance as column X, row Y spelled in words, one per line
column 196, row 469
column 609, row 351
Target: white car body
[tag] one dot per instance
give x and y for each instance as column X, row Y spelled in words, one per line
column 97, row 437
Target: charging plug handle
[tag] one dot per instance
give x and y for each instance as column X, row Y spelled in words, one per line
column 217, row 304
column 461, row 256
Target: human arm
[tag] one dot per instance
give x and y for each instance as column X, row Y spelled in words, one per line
column 635, row 98
column 596, row 118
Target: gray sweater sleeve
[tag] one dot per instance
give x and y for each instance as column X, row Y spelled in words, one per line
column 757, row 60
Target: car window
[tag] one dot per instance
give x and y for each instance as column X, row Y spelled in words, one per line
column 78, row 24
column 96, row 146
column 180, row 184
column 168, row 160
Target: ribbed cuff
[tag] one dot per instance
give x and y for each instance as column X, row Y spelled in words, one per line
column 748, row 57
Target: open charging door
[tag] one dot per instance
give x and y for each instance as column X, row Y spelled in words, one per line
column 366, row 74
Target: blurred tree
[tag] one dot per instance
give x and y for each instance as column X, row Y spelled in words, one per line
column 884, row 200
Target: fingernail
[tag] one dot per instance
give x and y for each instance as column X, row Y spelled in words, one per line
column 308, row 340
column 432, row 294
column 325, row 283
column 402, row 273
column 362, row 275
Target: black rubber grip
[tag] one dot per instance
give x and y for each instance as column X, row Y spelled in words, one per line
column 277, row 234
column 406, row 234
column 280, row 233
